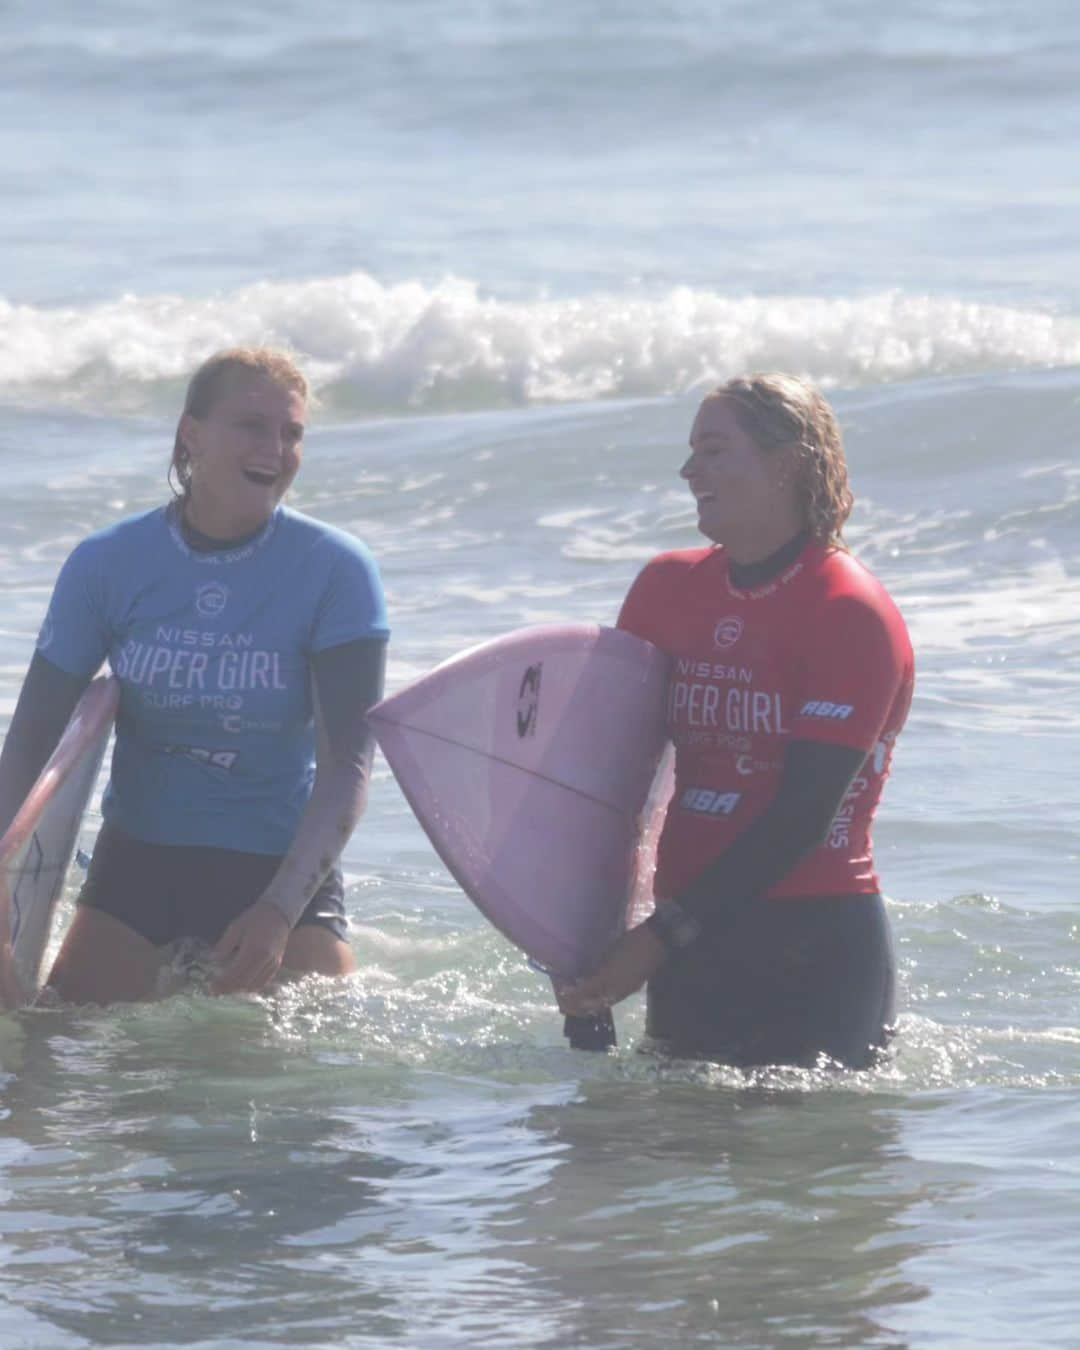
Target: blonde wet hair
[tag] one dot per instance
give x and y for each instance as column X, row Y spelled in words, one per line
column 779, row 411
column 214, row 378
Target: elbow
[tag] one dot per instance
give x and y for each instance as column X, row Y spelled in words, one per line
column 341, row 790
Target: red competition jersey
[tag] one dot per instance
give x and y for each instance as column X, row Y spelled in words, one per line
column 820, row 653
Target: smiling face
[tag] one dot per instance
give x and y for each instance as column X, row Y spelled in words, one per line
column 243, row 453
column 746, row 497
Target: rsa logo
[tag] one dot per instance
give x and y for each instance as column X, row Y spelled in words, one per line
column 528, row 702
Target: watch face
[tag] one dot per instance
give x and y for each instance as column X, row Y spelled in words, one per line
column 674, row 926
column 685, row 931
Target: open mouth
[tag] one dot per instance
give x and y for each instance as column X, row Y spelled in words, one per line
column 263, row 477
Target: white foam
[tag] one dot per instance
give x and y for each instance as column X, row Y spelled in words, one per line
column 373, row 347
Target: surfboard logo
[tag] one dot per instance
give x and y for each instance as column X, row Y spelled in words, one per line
column 728, row 631
column 211, row 599
column 528, row 703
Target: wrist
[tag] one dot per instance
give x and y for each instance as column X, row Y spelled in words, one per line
column 281, row 909
column 675, row 927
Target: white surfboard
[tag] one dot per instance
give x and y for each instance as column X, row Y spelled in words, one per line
column 36, row 851
column 529, row 762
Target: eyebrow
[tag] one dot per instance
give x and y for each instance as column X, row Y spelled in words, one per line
column 297, row 428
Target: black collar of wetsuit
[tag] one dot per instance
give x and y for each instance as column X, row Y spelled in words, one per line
column 204, row 543
column 748, row 576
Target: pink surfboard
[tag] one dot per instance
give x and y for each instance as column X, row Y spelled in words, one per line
column 36, row 850
column 529, row 761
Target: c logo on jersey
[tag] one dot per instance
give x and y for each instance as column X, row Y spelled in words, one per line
column 211, row 599
column 728, row 631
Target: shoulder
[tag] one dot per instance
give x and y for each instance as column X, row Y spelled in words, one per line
column 659, row 587
column 847, row 595
column 681, row 559
column 672, row 567
column 841, row 576
column 114, row 544
column 329, row 542
column 342, row 579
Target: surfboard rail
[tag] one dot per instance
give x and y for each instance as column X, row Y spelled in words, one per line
column 36, row 850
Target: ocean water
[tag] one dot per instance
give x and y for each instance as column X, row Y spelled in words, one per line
column 512, row 243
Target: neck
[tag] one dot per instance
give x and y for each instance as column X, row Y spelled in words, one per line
column 756, row 544
column 747, row 576
column 219, row 524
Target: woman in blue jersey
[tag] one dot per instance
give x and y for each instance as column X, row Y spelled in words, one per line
column 249, row 642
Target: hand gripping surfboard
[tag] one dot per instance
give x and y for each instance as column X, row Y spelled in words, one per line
column 529, row 762
column 36, row 850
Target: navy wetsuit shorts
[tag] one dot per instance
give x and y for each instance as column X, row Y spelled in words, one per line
column 170, row 891
column 787, row 982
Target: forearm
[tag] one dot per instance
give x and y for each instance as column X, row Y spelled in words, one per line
column 815, row 781
column 47, row 700
column 336, row 805
column 347, row 681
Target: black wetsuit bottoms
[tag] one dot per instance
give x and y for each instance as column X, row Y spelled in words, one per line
column 170, row 891
column 786, row 982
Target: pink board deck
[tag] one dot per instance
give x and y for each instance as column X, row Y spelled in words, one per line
column 529, row 762
column 36, row 850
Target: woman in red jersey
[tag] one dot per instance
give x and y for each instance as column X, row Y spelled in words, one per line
column 791, row 677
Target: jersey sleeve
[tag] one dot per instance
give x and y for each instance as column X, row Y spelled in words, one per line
column 352, row 604
column 75, row 634
column 639, row 612
column 854, row 669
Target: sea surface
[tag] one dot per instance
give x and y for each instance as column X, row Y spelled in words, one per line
column 513, row 243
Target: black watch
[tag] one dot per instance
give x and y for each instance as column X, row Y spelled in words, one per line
column 673, row 925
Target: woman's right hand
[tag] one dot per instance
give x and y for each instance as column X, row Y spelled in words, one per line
column 250, row 951
column 633, row 960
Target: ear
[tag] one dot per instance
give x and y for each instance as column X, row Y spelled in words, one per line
column 189, row 431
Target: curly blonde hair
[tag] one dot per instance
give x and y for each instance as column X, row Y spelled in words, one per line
column 777, row 411
column 213, row 378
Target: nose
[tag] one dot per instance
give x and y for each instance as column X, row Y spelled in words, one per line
column 277, row 442
column 687, row 469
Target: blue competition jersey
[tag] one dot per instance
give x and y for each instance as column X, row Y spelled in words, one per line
column 215, row 739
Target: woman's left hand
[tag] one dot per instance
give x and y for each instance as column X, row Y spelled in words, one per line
column 638, row 954
column 250, row 951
